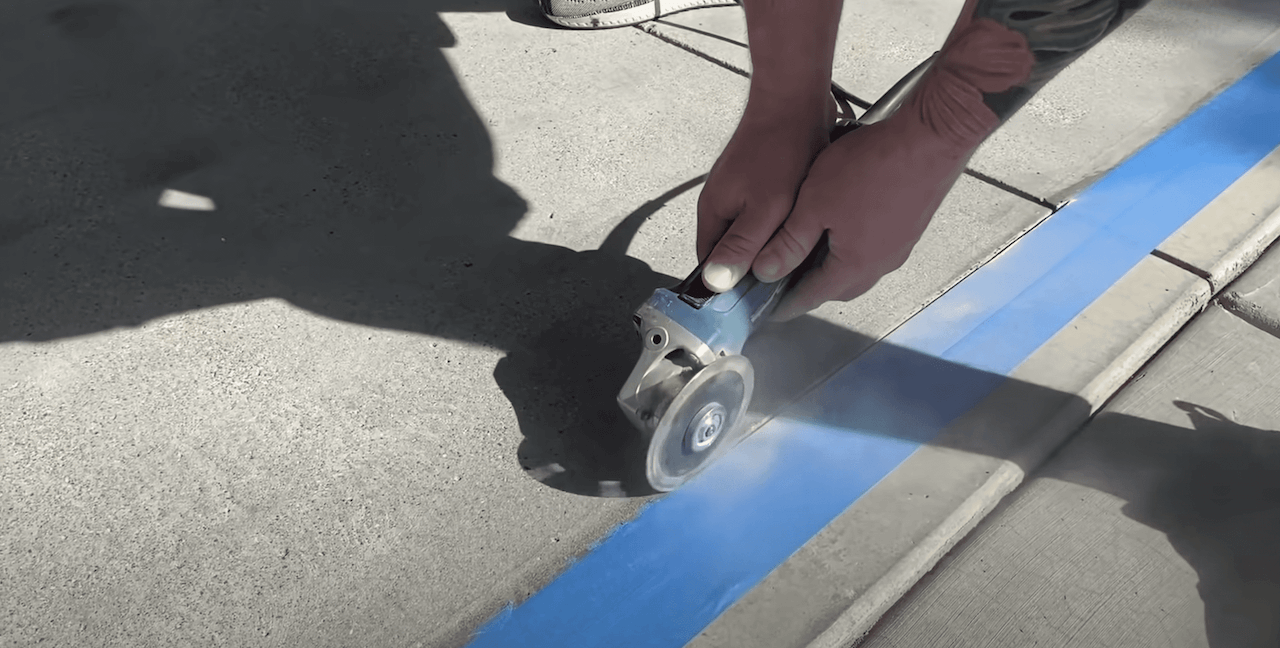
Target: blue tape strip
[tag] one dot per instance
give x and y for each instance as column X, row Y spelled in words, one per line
column 660, row 579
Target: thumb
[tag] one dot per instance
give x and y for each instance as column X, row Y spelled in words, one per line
column 733, row 255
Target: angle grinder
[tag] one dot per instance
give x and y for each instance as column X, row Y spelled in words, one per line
column 690, row 390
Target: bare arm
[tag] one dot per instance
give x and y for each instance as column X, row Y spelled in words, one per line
column 1007, row 50
column 792, row 46
column 1057, row 32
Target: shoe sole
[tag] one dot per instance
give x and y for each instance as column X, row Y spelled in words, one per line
column 634, row 15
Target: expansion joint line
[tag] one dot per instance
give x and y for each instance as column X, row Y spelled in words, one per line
column 1004, row 186
column 1169, row 258
column 648, row 29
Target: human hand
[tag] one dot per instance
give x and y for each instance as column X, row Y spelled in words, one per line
column 874, row 190
column 752, row 186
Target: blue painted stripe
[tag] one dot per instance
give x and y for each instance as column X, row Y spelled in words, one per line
column 660, row 579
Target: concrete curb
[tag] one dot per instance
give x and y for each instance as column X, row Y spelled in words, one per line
column 1230, row 233
column 1055, row 418
column 1248, row 236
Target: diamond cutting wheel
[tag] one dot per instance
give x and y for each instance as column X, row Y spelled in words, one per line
column 704, row 420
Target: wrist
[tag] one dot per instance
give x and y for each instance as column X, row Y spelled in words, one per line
column 982, row 59
column 809, row 106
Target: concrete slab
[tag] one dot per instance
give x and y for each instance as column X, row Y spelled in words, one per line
column 367, row 399
column 1230, row 233
column 1081, row 382
column 1158, row 67
column 302, row 417
column 1154, row 527
column 840, row 582
column 257, row 474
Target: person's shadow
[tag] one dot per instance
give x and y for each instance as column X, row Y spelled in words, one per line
column 1214, row 490
column 1211, row 485
column 351, row 176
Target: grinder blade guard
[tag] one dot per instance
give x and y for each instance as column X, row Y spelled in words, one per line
column 691, row 388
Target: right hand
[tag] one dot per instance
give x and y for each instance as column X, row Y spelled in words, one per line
column 753, row 186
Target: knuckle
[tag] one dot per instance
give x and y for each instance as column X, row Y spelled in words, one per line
column 792, row 248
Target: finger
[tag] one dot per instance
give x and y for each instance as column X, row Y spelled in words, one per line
column 788, row 247
column 734, row 253
column 832, row 280
column 714, row 219
column 712, row 228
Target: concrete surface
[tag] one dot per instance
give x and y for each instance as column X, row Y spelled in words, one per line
column 367, row 400
column 985, row 455
column 1156, row 526
column 301, row 418
column 1088, row 358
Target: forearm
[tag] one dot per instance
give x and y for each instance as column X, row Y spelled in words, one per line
column 1055, row 32
column 792, row 46
column 999, row 54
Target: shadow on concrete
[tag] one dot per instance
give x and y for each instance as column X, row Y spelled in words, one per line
column 1212, row 487
column 1214, row 490
column 352, row 178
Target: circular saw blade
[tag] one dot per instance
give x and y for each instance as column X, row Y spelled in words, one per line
column 703, row 420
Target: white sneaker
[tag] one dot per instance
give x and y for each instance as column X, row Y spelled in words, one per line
column 602, row 14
